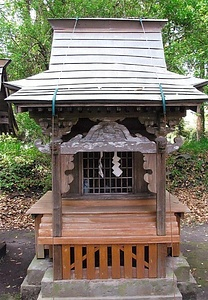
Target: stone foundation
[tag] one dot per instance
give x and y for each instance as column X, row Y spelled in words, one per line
column 178, row 284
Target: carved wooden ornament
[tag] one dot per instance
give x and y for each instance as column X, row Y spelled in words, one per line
column 110, row 137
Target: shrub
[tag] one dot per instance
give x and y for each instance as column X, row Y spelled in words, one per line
column 23, row 167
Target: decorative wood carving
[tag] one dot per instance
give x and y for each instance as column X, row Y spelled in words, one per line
column 159, row 125
column 61, row 126
column 150, row 176
column 108, row 136
column 42, row 148
column 67, row 165
column 178, row 142
column 62, row 122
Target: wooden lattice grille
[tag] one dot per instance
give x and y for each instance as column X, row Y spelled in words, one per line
column 105, row 261
column 93, row 182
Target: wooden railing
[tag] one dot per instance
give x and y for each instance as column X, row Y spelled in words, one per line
column 107, row 239
column 114, row 261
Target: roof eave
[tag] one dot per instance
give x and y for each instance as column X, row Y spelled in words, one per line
column 102, row 24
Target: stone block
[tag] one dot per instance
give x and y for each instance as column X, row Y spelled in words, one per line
column 37, row 269
column 188, row 289
column 28, row 291
column 111, row 289
column 180, row 267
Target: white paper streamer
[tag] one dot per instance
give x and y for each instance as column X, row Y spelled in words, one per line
column 100, row 166
column 116, row 170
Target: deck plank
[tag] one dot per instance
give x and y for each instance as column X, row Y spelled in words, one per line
column 110, row 205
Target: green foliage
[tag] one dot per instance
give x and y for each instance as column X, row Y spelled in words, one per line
column 28, row 129
column 23, row 168
column 196, row 147
column 189, row 166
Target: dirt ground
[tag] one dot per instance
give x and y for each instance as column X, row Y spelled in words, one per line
column 20, row 251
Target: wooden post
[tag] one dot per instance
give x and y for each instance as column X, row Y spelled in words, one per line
column 57, row 208
column 161, row 203
column 161, row 185
column 161, row 265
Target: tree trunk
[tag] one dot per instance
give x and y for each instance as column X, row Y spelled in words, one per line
column 200, row 125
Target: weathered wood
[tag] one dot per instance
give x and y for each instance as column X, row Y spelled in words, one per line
column 108, row 136
column 103, row 261
column 116, row 272
column 153, row 260
column 99, row 40
column 67, row 165
column 128, row 261
column 150, row 178
column 161, row 260
column 140, row 255
column 78, row 261
column 56, row 192
column 112, row 36
column 66, row 261
column 175, row 249
column 132, row 204
column 57, row 210
column 39, row 249
column 64, row 52
column 161, row 185
column 57, row 262
column 90, row 262
column 47, row 240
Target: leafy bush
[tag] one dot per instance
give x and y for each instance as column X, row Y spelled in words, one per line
column 28, row 129
column 23, row 167
column 189, row 166
column 195, row 146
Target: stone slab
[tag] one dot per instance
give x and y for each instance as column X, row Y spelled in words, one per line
column 37, row 269
column 180, row 267
column 189, row 289
column 176, row 296
column 110, row 289
column 28, row 291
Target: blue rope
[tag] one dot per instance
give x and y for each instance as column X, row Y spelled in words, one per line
column 54, row 102
column 163, row 98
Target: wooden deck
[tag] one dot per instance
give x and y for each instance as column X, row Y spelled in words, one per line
column 108, row 205
column 108, row 238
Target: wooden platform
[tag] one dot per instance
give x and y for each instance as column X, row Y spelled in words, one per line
column 108, row 238
column 109, row 204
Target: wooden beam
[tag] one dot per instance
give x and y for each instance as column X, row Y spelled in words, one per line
column 161, row 185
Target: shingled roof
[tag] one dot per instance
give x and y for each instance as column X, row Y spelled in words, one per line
column 107, row 61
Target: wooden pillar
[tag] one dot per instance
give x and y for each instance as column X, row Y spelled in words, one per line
column 161, row 203
column 57, row 208
column 161, row 185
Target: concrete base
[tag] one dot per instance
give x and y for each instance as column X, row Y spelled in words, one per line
column 187, row 285
column 110, row 289
column 31, row 286
column 116, row 298
column 39, row 285
column 29, row 291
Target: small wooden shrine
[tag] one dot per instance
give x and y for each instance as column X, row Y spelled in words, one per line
column 7, row 120
column 107, row 102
